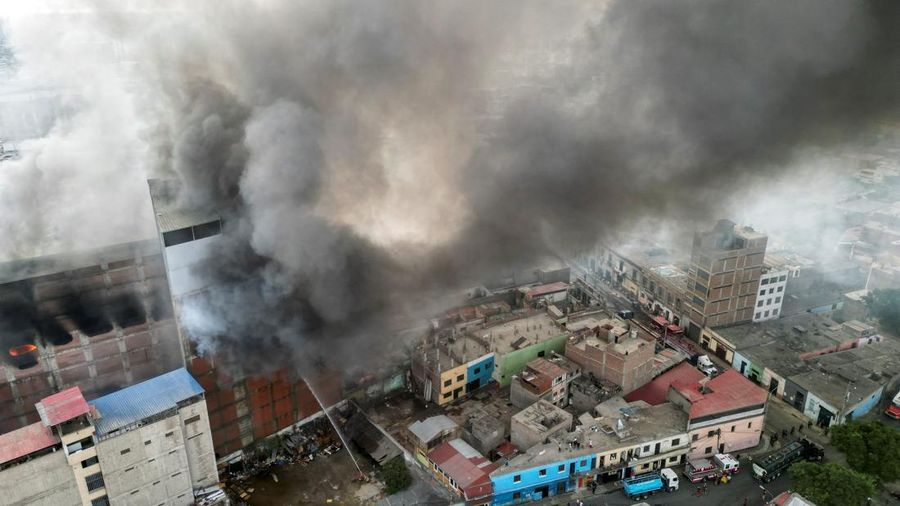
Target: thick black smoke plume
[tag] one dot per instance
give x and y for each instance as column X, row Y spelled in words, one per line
column 370, row 158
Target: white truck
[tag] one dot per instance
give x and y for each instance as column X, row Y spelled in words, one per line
column 706, row 366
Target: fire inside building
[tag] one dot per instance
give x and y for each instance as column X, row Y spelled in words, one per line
column 105, row 319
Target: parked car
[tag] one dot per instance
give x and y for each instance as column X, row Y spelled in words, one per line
column 893, row 410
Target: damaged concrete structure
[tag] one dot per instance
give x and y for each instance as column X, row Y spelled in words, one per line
column 99, row 320
column 241, row 410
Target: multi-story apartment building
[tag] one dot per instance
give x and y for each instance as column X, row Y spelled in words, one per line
column 726, row 264
column 608, row 350
column 544, row 378
column 149, row 443
column 771, row 294
column 95, row 319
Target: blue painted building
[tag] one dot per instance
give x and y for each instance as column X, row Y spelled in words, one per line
column 515, row 484
column 479, row 371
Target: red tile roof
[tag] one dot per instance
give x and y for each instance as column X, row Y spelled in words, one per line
column 28, row 439
column 656, row 391
column 470, row 471
column 728, row 391
column 62, row 406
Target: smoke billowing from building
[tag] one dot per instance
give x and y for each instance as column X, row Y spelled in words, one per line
column 369, row 158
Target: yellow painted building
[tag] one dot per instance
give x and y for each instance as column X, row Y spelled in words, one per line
column 453, row 384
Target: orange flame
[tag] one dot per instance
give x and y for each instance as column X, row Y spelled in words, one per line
column 21, row 350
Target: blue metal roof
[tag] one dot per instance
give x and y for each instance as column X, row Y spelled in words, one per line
column 143, row 400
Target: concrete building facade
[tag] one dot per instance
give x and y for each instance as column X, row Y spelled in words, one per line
column 149, row 443
column 98, row 319
column 726, row 264
column 606, row 349
column 770, row 294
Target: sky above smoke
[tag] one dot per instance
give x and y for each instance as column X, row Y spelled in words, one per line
column 371, row 158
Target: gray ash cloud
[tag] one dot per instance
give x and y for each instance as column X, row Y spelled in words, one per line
column 369, row 158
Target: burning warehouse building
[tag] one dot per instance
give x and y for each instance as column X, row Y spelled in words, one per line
column 99, row 320
column 241, row 409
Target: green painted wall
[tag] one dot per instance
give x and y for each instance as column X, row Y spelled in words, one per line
column 514, row 362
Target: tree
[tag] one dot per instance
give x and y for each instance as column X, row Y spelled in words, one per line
column 885, row 305
column 396, row 475
column 831, row 484
column 871, row 447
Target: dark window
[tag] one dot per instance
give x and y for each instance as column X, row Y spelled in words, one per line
column 676, row 441
column 146, row 442
column 178, row 237
column 100, row 501
column 749, row 425
column 195, row 418
column 89, row 462
column 583, row 463
column 732, row 428
column 170, row 434
column 477, row 370
column 702, row 274
column 461, row 377
column 83, row 444
column 447, row 395
column 782, row 278
column 541, row 353
column 129, row 469
column 708, row 449
column 647, row 448
column 207, row 229
column 447, row 383
column 711, row 433
column 517, row 495
column 696, row 437
column 517, row 478
column 176, row 474
column 126, row 450
column 135, row 491
column 645, row 466
column 561, row 468
column 764, row 281
column 94, row 481
column 542, row 472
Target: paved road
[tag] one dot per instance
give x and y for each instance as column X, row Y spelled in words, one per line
column 742, row 486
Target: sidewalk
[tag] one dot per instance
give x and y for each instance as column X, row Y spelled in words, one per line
column 572, row 498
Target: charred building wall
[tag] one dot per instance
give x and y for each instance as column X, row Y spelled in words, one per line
column 100, row 320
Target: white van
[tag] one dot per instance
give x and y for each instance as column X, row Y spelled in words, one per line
column 706, row 366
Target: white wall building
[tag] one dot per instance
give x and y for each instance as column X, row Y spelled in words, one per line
column 770, row 294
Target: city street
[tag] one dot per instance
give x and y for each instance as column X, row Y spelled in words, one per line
column 733, row 494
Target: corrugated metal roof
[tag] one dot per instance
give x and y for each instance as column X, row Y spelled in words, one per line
column 429, row 428
column 62, row 406
column 28, row 439
column 463, row 464
column 144, row 400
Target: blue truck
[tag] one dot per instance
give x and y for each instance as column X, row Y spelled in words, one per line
column 644, row 485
